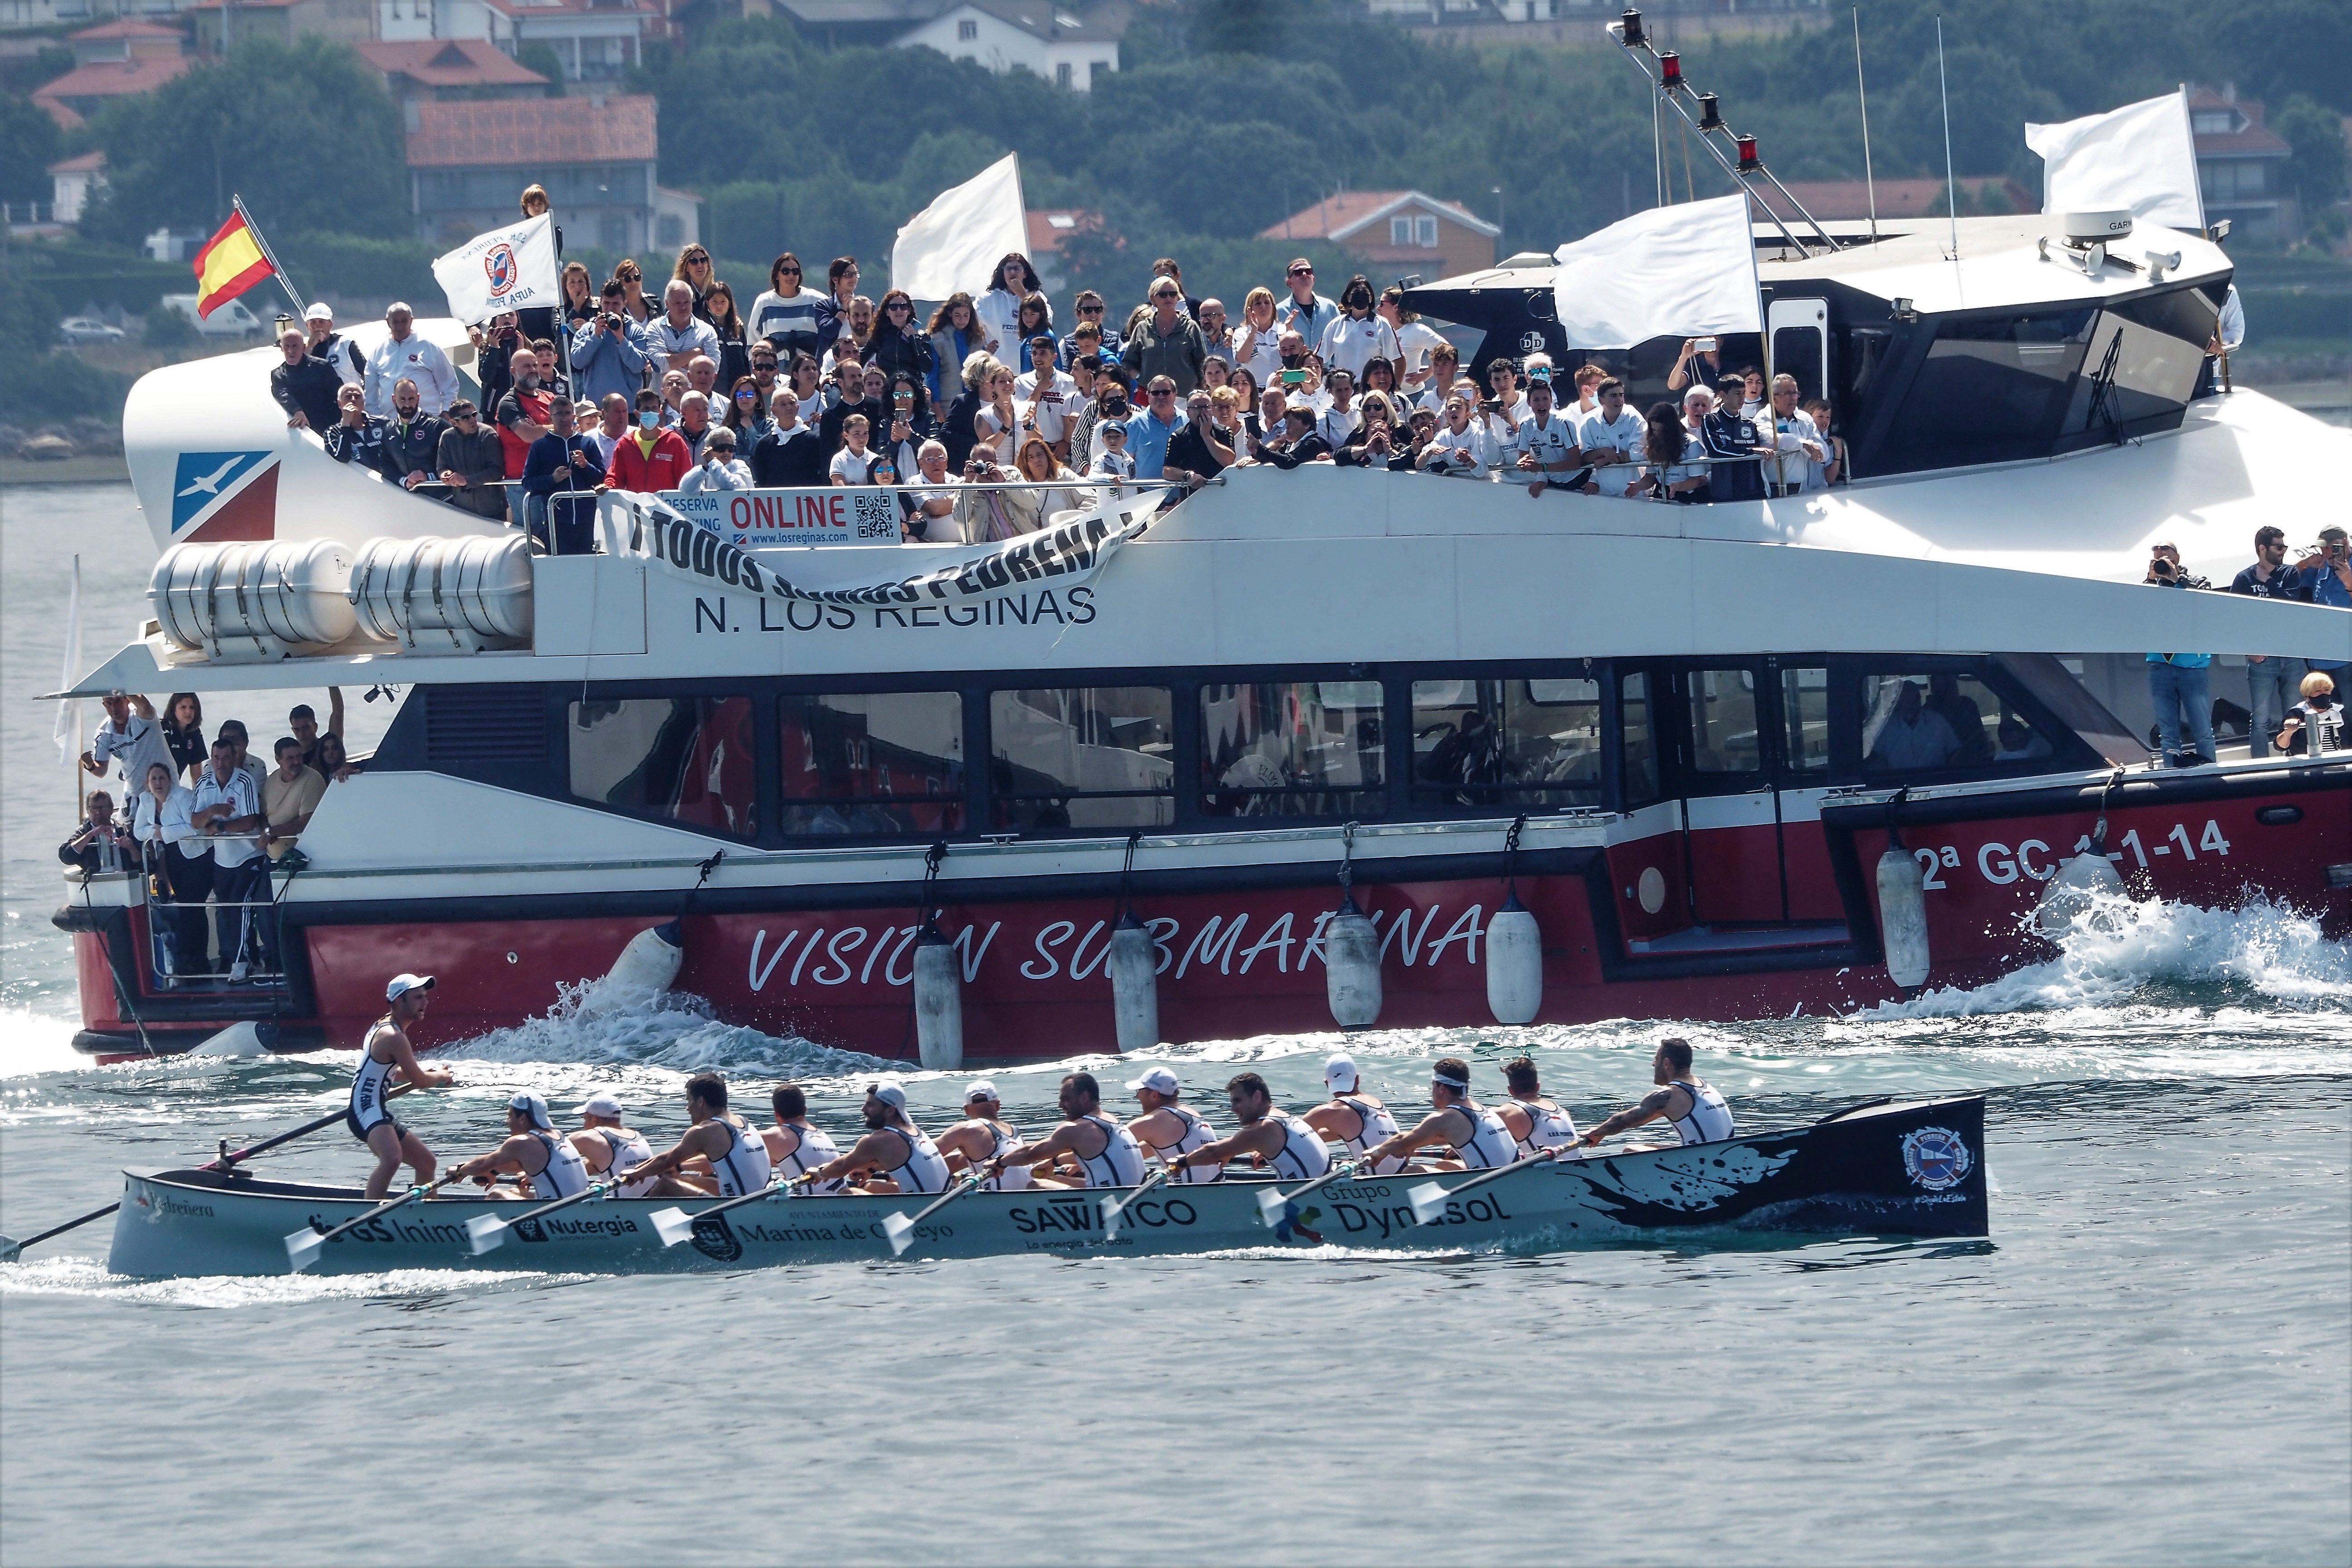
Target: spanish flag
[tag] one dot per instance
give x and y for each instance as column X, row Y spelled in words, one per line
column 231, row 262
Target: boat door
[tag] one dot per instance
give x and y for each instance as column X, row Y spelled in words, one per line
column 1751, row 764
column 1800, row 344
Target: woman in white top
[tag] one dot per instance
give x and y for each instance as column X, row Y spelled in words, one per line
column 1416, row 337
column 721, row 469
column 1675, row 450
column 1257, row 341
column 999, row 309
column 996, row 423
column 853, row 465
column 1355, row 334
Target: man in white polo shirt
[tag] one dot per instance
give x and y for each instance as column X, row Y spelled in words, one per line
column 1544, row 448
column 1052, row 398
column 1612, row 438
column 227, row 813
column 131, row 734
column 1794, row 437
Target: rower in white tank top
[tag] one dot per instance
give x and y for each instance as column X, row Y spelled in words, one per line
column 1686, row 1101
column 563, row 1174
column 1291, row 1146
column 922, row 1168
column 1474, row 1137
column 1534, row 1123
column 893, row 1149
column 743, row 1167
column 1709, row 1118
column 1091, row 1149
column 982, row 1136
column 610, row 1150
column 1352, row 1117
column 550, row 1167
column 736, row 1155
column 1169, row 1129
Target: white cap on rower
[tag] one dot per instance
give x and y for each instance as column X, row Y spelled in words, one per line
column 400, row 982
column 1159, row 1079
column 601, row 1105
column 982, row 1088
column 889, row 1094
column 536, row 1105
column 1339, row 1072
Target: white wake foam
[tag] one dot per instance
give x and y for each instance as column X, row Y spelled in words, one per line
column 592, row 1025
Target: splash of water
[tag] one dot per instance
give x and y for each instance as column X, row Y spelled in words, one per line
column 595, row 1024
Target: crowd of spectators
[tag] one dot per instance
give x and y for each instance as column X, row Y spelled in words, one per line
column 2180, row 684
column 206, row 822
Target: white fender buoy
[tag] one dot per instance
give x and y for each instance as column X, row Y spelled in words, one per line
column 245, row 1039
column 939, row 1003
column 1351, row 968
column 650, row 962
column 1134, row 964
column 1902, row 917
column 2083, row 883
column 1514, row 963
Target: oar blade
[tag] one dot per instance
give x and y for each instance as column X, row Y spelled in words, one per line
column 673, row 1226
column 303, row 1248
column 1271, row 1206
column 1428, row 1203
column 10, row 1249
column 900, row 1231
column 485, row 1232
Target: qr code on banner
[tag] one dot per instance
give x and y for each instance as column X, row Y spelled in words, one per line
column 877, row 514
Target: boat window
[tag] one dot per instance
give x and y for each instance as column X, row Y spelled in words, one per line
column 1924, row 722
column 1726, row 736
column 873, row 762
column 1994, row 389
column 1084, row 756
column 688, row 760
column 1309, row 748
column 1640, row 754
column 1805, row 707
column 1508, row 745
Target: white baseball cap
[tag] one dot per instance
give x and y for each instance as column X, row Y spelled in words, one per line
column 601, row 1105
column 1339, row 1072
column 536, row 1105
column 889, row 1094
column 1159, row 1079
column 982, row 1088
column 320, row 310
column 401, row 983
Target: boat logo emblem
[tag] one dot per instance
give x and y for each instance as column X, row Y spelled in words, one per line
column 1532, row 342
column 528, row 1230
column 499, row 261
column 713, row 1239
column 1937, row 1158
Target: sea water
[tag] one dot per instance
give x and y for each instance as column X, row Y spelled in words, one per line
column 2150, row 1358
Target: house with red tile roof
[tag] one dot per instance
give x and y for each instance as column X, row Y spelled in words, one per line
column 2242, row 164
column 596, row 155
column 449, row 69
column 82, row 92
column 1403, row 232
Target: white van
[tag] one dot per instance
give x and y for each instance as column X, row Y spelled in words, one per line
column 230, row 320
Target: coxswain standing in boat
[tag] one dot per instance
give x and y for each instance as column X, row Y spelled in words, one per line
column 1535, row 1123
column 894, row 1155
column 736, row 1156
column 1353, row 1118
column 1691, row 1104
column 1476, row 1136
column 795, row 1147
column 387, row 1055
column 1101, row 1152
column 549, row 1166
column 982, row 1136
column 1169, row 1129
column 1290, row 1144
column 610, row 1146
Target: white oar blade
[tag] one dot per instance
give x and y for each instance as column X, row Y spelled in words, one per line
column 673, row 1226
column 1271, row 1205
column 303, row 1248
column 1428, row 1203
column 900, row 1230
column 486, row 1231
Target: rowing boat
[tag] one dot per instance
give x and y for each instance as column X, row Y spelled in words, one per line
column 1915, row 1169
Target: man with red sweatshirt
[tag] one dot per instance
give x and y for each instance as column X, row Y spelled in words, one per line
column 649, row 457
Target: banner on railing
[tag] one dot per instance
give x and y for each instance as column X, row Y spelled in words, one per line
column 761, row 519
column 1066, row 555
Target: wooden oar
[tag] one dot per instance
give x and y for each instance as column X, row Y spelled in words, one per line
column 1113, row 1210
column 487, row 1231
column 1272, row 1202
column 302, row 1245
column 900, row 1230
column 227, row 1160
column 1429, row 1199
column 675, row 1224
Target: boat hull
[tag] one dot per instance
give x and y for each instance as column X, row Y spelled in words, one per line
column 1912, row 1170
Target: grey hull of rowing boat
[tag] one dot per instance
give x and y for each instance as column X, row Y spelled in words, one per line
column 1910, row 1170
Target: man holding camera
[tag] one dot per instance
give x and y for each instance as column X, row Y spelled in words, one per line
column 609, row 353
column 2325, row 577
column 2180, row 684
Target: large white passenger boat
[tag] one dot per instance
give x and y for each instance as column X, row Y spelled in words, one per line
column 1326, row 745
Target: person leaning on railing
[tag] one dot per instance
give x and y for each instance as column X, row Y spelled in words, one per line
column 648, row 458
column 472, row 464
column 412, row 440
column 98, row 843
column 564, row 459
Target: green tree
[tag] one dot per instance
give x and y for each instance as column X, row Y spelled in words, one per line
column 2317, row 135
column 306, row 135
column 28, row 145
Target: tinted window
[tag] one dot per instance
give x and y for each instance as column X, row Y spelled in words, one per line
column 1640, row 754
column 1924, row 722
column 1088, row 756
column 873, row 762
column 1805, row 707
column 1275, row 748
column 1994, row 389
column 1724, row 736
column 688, row 760
column 1511, row 745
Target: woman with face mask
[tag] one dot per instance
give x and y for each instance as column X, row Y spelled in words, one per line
column 1357, row 336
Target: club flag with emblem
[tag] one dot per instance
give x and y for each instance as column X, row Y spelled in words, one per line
column 232, row 261
column 511, row 269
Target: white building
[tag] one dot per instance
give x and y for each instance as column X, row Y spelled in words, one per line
column 1043, row 37
column 594, row 40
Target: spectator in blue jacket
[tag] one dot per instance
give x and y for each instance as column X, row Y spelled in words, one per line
column 610, row 353
column 2180, row 684
column 2325, row 577
column 563, row 459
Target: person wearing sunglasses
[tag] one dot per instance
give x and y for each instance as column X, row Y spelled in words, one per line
column 1306, row 312
column 786, row 310
column 693, row 269
column 833, row 310
column 747, row 415
column 1105, row 344
column 634, row 300
column 899, row 347
column 1166, row 343
column 472, row 463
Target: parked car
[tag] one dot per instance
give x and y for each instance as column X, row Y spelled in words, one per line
column 230, row 320
column 86, row 330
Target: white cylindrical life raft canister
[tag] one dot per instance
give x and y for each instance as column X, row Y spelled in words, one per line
column 445, row 596
column 1514, row 963
column 1134, row 965
column 651, row 960
column 259, row 600
column 1902, row 917
column 1351, row 968
column 2082, row 884
column 939, row 1003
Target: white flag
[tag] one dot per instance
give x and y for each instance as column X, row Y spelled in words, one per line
column 505, row 269
column 1675, row 271
column 68, row 724
column 954, row 243
column 2140, row 158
